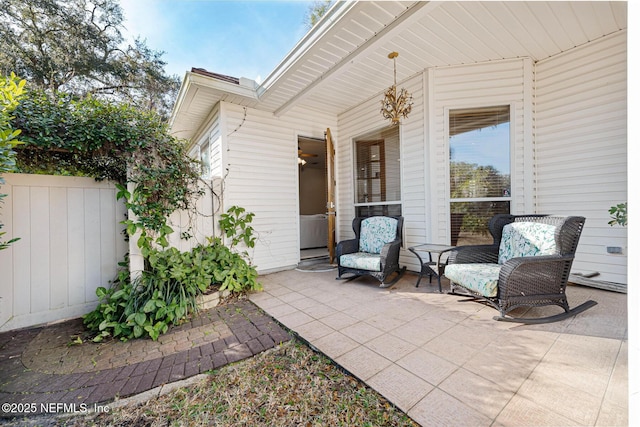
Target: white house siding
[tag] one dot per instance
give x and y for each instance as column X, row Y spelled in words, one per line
column 367, row 118
column 198, row 225
column 202, row 224
column 581, row 146
column 260, row 152
column 70, row 244
column 215, row 144
column 486, row 84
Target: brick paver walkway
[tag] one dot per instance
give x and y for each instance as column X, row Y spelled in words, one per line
column 42, row 366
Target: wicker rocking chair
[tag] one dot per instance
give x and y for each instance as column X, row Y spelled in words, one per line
column 375, row 251
column 528, row 265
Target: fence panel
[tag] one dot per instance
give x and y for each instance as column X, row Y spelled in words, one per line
column 71, row 241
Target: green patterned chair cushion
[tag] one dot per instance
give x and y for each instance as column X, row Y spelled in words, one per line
column 361, row 261
column 375, row 232
column 521, row 239
column 480, row 278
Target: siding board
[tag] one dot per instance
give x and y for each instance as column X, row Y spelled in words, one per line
column 486, row 84
column 581, row 146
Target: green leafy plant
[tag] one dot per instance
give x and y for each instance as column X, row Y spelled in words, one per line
column 92, row 137
column 11, row 90
column 166, row 292
column 235, row 224
column 618, row 214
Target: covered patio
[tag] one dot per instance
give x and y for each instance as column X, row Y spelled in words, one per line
column 559, row 70
column 447, row 362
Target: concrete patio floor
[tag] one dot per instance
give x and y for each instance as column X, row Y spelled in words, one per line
column 448, row 363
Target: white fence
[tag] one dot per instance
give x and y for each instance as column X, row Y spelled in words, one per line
column 70, row 243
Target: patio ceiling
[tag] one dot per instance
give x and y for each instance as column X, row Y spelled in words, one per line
column 343, row 62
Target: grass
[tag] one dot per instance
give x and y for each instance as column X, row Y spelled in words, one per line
column 290, row 385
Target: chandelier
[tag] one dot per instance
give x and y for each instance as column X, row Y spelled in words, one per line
column 395, row 105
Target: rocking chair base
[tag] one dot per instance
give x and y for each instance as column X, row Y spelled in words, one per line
column 399, row 274
column 556, row 318
column 349, row 278
column 395, row 279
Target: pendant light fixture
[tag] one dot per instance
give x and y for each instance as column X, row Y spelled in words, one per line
column 395, row 104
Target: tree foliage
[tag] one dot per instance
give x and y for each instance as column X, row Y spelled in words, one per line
column 472, row 181
column 76, row 46
column 316, row 11
column 469, row 180
column 11, row 89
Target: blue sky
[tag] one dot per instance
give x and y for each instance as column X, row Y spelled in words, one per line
column 484, row 147
column 237, row 38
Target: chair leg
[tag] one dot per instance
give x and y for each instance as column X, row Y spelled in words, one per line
column 399, row 274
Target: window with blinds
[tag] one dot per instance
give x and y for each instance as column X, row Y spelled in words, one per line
column 378, row 173
column 479, row 170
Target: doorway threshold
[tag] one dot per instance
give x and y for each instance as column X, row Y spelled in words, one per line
column 306, row 254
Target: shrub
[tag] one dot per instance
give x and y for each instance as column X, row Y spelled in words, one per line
column 166, row 293
column 91, row 137
column 11, row 89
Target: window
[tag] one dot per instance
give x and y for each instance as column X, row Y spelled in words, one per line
column 480, row 171
column 378, row 173
column 205, row 159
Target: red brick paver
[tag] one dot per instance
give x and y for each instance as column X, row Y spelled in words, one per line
column 40, row 366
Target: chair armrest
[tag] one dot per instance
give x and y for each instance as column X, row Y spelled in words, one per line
column 534, row 275
column 347, row 247
column 474, row 254
column 390, row 251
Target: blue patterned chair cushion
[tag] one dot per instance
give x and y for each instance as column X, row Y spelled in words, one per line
column 361, row 261
column 521, row 239
column 480, row 278
column 375, row 232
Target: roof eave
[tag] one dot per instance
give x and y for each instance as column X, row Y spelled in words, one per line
column 246, row 88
